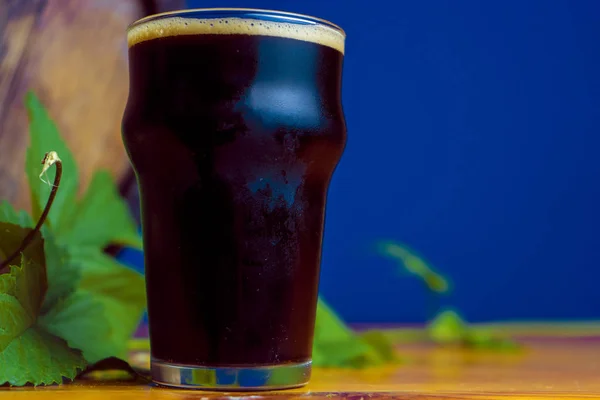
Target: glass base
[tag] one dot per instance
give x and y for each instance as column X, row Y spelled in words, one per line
column 265, row 377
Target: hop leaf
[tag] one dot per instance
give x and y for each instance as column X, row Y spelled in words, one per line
column 66, row 303
column 28, row 353
column 415, row 265
column 336, row 345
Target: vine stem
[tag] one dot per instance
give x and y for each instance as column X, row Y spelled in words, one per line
column 50, row 158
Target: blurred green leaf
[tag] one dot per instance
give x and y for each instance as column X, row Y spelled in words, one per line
column 406, row 335
column 119, row 289
column 336, row 345
column 63, row 274
column 101, row 217
column 9, row 214
column 488, row 339
column 447, row 327
column 415, row 266
column 380, row 342
column 137, row 344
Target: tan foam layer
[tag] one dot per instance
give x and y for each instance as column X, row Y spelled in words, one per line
column 175, row 26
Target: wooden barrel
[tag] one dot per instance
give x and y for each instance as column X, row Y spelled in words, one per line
column 73, row 54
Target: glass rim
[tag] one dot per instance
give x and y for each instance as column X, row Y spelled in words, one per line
column 285, row 16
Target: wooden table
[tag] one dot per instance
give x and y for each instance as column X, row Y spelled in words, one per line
column 548, row 367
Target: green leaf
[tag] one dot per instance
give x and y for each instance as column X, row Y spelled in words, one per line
column 447, row 327
column 29, row 354
column 14, row 319
column 44, row 137
column 406, row 335
column 415, row 265
column 119, row 289
column 328, row 326
column 79, row 319
column 380, row 342
column 102, row 217
column 137, row 344
column 63, row 273
column 17, row 308
column 38, row 357
column 336, row 345
column 8, row 284
column 487, row 339
column 32, row 270
column 9, row 214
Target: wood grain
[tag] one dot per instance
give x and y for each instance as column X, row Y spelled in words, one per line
column 73, row 54
column 548, row 368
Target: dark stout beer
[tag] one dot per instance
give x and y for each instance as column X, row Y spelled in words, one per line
column 234, row 127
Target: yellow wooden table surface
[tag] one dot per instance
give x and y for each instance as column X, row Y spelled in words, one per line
column 550, row 367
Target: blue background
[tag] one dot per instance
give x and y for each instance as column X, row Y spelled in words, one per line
column 474, row 131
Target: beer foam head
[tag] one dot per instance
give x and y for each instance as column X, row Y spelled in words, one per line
column 175, row 26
